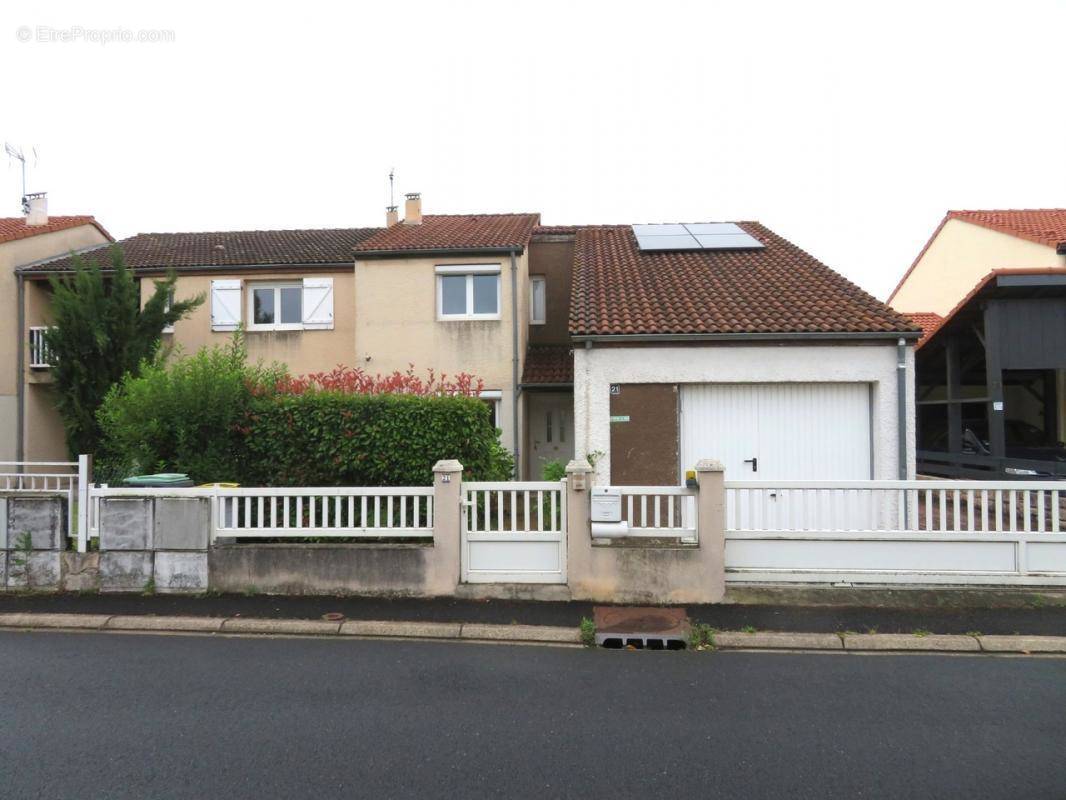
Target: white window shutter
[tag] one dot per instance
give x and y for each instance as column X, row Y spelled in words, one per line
column 318, row 303
column 225, row 305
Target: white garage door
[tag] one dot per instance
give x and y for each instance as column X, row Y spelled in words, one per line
column 778, row 431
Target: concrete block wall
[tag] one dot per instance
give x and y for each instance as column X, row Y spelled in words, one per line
column 43, row 520
column 159, row 543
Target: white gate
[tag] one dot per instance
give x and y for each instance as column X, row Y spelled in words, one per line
column 514, row 532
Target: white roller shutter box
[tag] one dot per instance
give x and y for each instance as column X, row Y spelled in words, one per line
column 318, row 304
column 225, row 305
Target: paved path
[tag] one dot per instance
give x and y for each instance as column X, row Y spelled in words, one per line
column 105, row 715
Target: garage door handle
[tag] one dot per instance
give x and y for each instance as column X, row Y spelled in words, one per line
column 754, row 461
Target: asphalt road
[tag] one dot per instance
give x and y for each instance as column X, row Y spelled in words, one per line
column 116, row 716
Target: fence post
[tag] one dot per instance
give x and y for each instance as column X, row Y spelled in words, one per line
column 447, row 526
column 85, row 477
column 710, row 522
column 578, row 526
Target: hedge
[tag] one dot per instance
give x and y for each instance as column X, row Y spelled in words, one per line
column 216, row 418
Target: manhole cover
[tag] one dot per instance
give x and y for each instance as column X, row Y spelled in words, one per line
column 645, row 628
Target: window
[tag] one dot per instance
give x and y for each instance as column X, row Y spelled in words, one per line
column 538, row 287
column 166, row 307
column 492, row 399
column 275, row 306
column 468, row 292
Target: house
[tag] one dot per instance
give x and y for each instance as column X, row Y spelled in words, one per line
column 989, row 291
column 26, row 405
column 638, row 346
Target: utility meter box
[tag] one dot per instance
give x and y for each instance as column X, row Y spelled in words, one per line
column 606, row 504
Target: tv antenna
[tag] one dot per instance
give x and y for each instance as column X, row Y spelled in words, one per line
column 392, row 187
column 16, row 153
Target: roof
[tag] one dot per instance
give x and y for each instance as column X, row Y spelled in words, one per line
column 1041, row 225
column 459, row 232
column 992, row 281
column 226, row 249
column 548, row 364
column 926, row 320
column 780, row 289
column 12, row 228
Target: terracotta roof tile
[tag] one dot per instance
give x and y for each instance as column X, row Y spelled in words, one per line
column 228, row 249
column 926, row 320
column 1041, row 225
column 617, row 289
column 548, row 363
column 455, row 232
column 12, row 228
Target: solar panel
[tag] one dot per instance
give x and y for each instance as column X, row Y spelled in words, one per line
column 694, row 236
column 729, row 241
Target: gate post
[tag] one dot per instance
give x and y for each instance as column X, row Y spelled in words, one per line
column 578, row 524
column 447, row 526
column 710, row 522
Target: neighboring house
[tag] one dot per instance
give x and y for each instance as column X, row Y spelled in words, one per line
column 642, row 349
column 26, row 404
column 989, row 291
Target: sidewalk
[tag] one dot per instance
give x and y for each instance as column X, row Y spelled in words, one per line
column 1034, row 620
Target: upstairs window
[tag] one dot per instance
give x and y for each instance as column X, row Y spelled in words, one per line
column 538, row 300
column 468, row 292
column 275, row 306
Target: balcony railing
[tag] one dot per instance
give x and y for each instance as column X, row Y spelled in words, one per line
column 40, row 358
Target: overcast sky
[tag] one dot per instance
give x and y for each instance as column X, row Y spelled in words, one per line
column 849, row 127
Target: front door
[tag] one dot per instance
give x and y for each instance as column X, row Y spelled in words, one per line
column 550, row 422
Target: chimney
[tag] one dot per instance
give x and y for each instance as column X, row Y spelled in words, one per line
column 391, row 216
column 412, row 212
column 36, row 206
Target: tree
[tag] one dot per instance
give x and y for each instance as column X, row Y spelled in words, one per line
column 100, row 333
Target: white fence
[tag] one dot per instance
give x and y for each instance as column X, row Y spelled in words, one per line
column 513, row 532
column 977, row 532
column 666, row 512
column 291, row 513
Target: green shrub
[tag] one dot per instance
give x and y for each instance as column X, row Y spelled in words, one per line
column 553, row 471
column 329, row 438
column 218, row 419
column 179, row 417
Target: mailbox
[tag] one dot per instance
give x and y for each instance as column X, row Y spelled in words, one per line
column 606, row 504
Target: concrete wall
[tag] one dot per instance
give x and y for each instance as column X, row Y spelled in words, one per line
column 636, row 570
column 597, row 368
column 43, row 520
column 956, row 260
column 13, row 254
column 396, row 325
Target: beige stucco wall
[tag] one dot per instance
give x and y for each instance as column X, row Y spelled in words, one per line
column 396, row 325
column 960, row 255
column 301, row 351
column 13, row 254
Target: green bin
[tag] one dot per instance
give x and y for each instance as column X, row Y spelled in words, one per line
column 168, row 480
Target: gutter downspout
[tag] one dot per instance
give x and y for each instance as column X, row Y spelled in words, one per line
column 20, row 361
column 901, row 406
column 516, row 389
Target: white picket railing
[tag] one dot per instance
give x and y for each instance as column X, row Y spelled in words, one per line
column 300, row 512
column 911, row 506
column 513, row 506
column 896, row 532
column 660, row 512
column 40, row 357
column 43, row 477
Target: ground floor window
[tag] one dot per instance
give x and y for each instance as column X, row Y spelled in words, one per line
column 493, row 398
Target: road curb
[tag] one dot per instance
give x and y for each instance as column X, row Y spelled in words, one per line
column 529, row 634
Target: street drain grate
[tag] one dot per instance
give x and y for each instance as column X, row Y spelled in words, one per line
column 626, row 627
